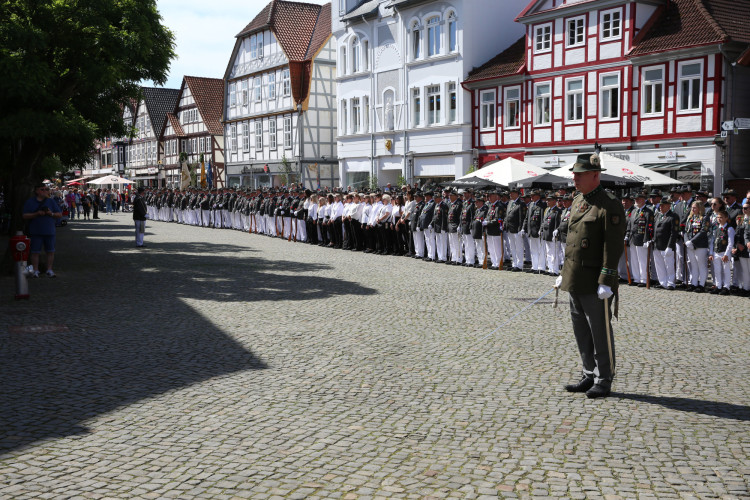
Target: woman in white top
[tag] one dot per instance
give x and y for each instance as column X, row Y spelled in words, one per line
column 322, row 214
column 393, row 243
column 382, row 225
column 312, row 217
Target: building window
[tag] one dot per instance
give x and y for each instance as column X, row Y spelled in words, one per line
column 245, row 137
column 452, row 32
column 355, row 55
column 512, row 107
column 574, row 100
column 344, row 118
column 260, row 45
column 452, row 103
column 356, row 115
column 433, row 104
column 542, row 98
column 416, row 41
column 272, row 86
column 232, row 95
column 342, row 7
column 611, row 25
column 244, row 93
column 287, row 133
column 286, row 83
column 342, row 62
column 417, row 107
column 253, row 47
column 365, row 114
column 200, row 144
column 272, row 133
column 258, row 136
column 576, row 31
column 433, row 36
column 256, row 89
column 233, row 136
column 689, row 89
column 543, row 37
column 365, row 55
column 653, row 91
column 610, row 104
column 488, row 105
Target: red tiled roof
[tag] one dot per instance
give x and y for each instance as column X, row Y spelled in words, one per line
column 691, row 23
column 175, row 122
column 295, row 25
column 509, row 62
column 209, row 97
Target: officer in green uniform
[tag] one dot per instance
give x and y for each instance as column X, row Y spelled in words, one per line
column 589, row 274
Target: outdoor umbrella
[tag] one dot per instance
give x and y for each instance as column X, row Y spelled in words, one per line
column 607, row 179
column 624, row 170
column 74, row 183
column 473, row 183
column 110, row 179
column 505, row 171
column 544, row 181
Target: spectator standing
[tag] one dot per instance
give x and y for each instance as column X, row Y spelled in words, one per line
column 139, row 216
column 108, row 201
column 41, row 211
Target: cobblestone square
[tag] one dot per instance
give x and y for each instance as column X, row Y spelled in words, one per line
column 218, row 364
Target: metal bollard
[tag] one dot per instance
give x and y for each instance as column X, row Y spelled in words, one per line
column 20, row 246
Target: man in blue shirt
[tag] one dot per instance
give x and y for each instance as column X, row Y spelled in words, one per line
column 41, row 211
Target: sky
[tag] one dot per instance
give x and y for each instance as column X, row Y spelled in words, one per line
column 204, row 34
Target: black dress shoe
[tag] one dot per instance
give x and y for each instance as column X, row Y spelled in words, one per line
column 598, row 391
column 641, row 285
column 582, row 385
column 689, row 288
column 724, row 291
column 670, row 288
column 699, row 289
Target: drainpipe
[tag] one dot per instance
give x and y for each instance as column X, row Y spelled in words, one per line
column 408, row 170
column 372, row 98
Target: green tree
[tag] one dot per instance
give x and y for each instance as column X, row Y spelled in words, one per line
column 287, row 175
column 69, row 67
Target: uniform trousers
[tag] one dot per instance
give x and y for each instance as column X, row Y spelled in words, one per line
column 680, row 263
column 479, row 250
column 622, row 266
column 742, row 270
column 493, row 247
column 287, row 223
column 537, row 253
column 664, row 261
column 140, row 231
column 429, row 241
column 561, row 256
column 639, row 261
column 216, row 217
column 507, row 248
column 454, row 240
column 301, row 230
column 722, row 271
column 550, row 250
column 516, row 249
column 590, row 316
column 205, row 217
column 697, row 265
column 419, row 243
column 441, row 245
column 470, row 252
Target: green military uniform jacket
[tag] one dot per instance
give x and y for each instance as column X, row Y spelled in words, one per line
column 596, row 233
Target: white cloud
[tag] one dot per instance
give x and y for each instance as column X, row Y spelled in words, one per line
column 204, row 33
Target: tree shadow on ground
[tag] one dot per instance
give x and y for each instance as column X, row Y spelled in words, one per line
column 131, row 331
column 710, row 408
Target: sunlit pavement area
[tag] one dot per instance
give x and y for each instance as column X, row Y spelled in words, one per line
column 218, row 364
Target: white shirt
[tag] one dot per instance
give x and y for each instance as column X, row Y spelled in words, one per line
column 396, row 214
column 312, row 211
column 375, row 213
column 409, row 208
column 366, row 210
column 337, row 210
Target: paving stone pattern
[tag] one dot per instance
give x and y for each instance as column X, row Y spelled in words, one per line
column 217, row 364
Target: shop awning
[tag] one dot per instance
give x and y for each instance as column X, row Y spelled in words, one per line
column 669, row 167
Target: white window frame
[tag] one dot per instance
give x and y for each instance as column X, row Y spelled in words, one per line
column 343, row 62
column 416, row 100
column 434, row 36
column 605, row 114
column 488, row 109
column 650, row 89
column 233, row 136
column 692, row 109
column 287, row 132
column 365, row 48
column 365, row 114
column 415, row 42
column 579, row 25
column 258, row 136
column 253, row 47
column 271, row 86
column 260, row 45
column 613, row 32
column 542, row 103
column 272, row 138
column 507, row 108
column 232, row 95
column 245, row 96
column 543, row 36
column 356, row 55
column 245, row 137
column 257, row 86
column 286, row 82
column 344, row 117
column 574, row 98
column 434, row 99
column 356, row 115
column 452, row 102
column 452, row 32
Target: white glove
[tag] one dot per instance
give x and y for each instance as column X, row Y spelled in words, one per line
column 558, row 282
column 521, row 232
column 647, row 244
column 689, row 244
column 604, row 292
column 484, row 223
column 554, row 234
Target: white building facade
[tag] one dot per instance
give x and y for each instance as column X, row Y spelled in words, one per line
column 402, row 113
column 279, row 102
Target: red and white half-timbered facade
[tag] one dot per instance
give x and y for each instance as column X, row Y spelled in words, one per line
column 646, row 80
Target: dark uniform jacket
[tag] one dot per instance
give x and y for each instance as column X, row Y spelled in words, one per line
column 425, row 218
column 641, row 226
column 562, row 229
column 666, row 230
column 414, row 216
column 595, row 235
column 515, row 215
column 742, row 237
column 495, row 217
column 454, row 215
column 550, row 222
column 467, row 216
column 440, row 217
column 532, row 224
column 480, row 213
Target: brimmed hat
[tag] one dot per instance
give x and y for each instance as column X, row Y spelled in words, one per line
column 729, row 192
column 655, row 192
column 587, row 163
column 641, row 194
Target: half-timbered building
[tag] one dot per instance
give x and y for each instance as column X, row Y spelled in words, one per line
column 650, row 81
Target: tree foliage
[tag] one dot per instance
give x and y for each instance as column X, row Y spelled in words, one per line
column 69, row 67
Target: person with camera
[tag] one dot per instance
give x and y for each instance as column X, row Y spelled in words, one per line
column 40, row 212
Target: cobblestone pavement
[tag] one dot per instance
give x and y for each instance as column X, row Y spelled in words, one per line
column 216, row 364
